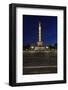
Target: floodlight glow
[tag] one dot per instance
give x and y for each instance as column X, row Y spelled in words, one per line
column 47, row 47
column 32, row 47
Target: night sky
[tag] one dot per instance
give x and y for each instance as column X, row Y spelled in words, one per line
column 30, row 29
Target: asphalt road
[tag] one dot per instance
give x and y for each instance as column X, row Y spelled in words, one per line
column 39, row 62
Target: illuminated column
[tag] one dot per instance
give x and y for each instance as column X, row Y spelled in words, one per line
column 39, row 32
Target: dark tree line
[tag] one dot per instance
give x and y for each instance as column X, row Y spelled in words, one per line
column 50, row 46
column 26, row 47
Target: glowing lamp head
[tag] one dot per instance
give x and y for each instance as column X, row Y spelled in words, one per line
column 47, row 47
column 32, row 47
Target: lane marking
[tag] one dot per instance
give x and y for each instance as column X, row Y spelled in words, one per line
column 54, row 66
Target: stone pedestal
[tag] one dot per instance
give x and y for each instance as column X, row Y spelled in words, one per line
column 39, row 48
column 40, row 44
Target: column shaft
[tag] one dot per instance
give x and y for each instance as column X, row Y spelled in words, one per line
column 39, row 32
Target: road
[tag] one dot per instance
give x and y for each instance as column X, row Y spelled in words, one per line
column 39, row 62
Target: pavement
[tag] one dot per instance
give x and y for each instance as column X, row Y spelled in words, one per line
column 43, row 62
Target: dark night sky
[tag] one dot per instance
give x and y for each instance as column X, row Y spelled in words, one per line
column 30, row 29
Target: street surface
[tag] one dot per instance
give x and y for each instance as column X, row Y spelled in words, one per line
column 35, row 62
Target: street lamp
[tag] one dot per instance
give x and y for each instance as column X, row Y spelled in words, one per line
column 32, row 47
column 47, row 47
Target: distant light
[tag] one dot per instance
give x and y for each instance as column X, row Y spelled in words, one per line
column 47, row 47
column 32, row 47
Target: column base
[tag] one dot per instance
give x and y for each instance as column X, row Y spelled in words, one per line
column 39, row 48
column 39, row 43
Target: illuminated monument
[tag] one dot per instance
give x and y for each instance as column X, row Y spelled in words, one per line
column 40, row 42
